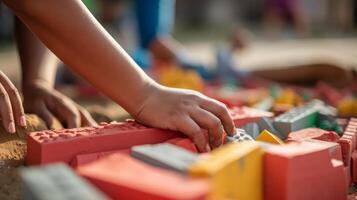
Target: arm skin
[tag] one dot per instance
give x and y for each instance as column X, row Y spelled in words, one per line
column 68, row 29
column 38, row 74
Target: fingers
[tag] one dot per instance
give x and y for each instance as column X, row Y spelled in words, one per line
column 186, row 125
column 86, row 118
column 15, row 100
column 210, row 122
column 6, row 111
column 221, row 111
column 45, row 115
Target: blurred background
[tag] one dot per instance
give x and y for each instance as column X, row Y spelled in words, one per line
column 275, row 33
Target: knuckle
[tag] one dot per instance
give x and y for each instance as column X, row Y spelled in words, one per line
column 13, row 90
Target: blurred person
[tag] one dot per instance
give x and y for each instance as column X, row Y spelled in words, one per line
column 278, row 12
column 302, row 74
column 81, row 42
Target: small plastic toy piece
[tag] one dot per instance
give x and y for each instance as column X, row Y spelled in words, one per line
column 122, row 177
column 62, row 145
column 266, row 104
column 185, row 143
column 180, row 78
column 297, row 118
column 82, row 159
column 312, row 133
column 265, row 124
column 347, row 108
column 167, row 156
column 303, row 170
column 328, row 93
column 266, row 136
column 287, row 100
column 244, row 115
column 56, row 181
column 354, row 166
column 252, row 129
column 240, row 136
column 348, row 141
column 235, row 171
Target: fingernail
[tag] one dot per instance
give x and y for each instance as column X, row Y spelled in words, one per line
column 23, row 121
column 11, row 127
column 208, row 149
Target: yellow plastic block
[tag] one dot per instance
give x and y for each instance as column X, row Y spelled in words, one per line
column 235, row 171
column 179, row 78
column 266, row 136
column 347, row 107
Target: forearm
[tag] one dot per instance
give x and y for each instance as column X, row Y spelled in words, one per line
column 38, row 64
column 74, row 35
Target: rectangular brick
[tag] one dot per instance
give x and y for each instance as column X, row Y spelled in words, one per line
column 122, row 177
column 244, row 115
column 56, row 181
column 185, row 143
column 303, row 170
column 63, row 145
column 312, row 133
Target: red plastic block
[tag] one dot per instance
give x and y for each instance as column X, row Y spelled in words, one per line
column 346, row 147
column 312, row 133
column 330, row 94
column 185, row 143
column 82, row 159
column 304, row 170
column 244, row 115
column 354, row 166
column 62, row 145
column 122, row 177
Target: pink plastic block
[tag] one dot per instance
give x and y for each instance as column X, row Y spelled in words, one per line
column 330, row 94
column 312, row 133
column 122, row 177
column 62, row 145
column 185, row 143
column 244, row 115
column 303, row 170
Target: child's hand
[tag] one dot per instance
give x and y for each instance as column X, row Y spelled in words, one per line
column 187, row 111
column 46, row 102
column 11, row 110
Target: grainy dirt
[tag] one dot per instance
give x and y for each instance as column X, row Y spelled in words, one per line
column 12, row 155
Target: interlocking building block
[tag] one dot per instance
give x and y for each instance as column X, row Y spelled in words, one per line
column 57, row 182
column 266, row 124
column 82, row 159
column 63, row 145
column 185, row 143
column 252, row 129
column 297, row 118
column 303, row 170
column 166, row 156
column 266, row 136
column 330, row 94
column 312, row 133
column 244, row 115
column 346, row 147
column 235, row 171
column 123, row 177
column 240, row 136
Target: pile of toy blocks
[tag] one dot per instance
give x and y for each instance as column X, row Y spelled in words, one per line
column 283, row 157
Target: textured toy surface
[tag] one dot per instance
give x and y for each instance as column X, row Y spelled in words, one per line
column 312, row 133
column 134, row 179
column 165, row 155
column 241, row 135
column 235, row 171
column 303, row 171
column 56, row 181
column 244, row 115
column 64, row 145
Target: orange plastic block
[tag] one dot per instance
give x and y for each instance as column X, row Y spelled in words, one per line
column 62, row 145
column 266, row 136
column 185, row 143
column 244, row 115
column 312, row 133
column 305, row 170
column 123, row 177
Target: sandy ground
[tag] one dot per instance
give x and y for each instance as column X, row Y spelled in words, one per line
column 259, row 55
